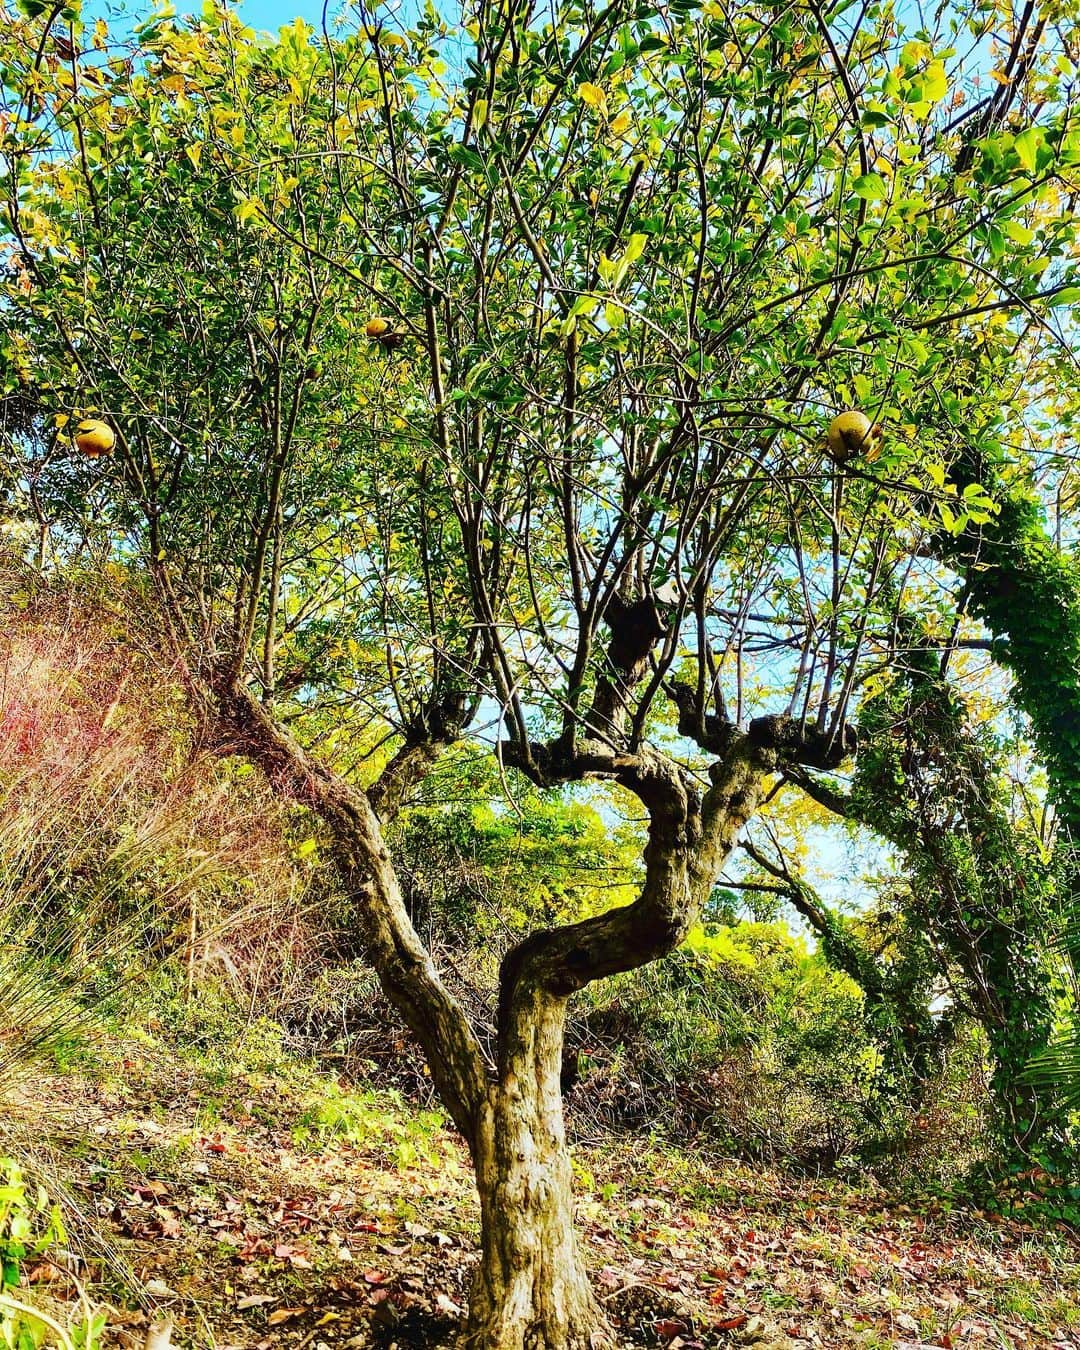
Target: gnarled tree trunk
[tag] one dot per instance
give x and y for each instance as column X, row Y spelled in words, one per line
column 531, row 1288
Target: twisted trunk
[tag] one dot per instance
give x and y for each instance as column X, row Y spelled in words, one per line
column 403, row 965
column 531, row 1287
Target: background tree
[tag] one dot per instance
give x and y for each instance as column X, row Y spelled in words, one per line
column 889, row 953
column 981, row 887
column 571, row 497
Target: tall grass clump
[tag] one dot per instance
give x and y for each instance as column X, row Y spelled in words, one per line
column 124, row 842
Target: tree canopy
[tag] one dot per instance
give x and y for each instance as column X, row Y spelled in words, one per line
column 473, row 380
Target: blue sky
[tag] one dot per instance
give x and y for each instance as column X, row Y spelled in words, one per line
column 271, row 14
column 268, row 15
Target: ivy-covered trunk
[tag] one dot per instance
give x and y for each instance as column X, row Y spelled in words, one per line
column 1027, row 592
column 977, row 883
column 1031, row 1120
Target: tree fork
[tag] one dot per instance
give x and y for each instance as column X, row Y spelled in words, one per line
column 532, row 1288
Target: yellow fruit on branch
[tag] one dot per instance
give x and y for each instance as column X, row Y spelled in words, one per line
column 94, row 437
column 852, row 433
column 381, row 330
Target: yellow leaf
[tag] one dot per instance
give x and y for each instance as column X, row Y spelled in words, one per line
column 935, row 82
column 193, row 152
column 620, row 123
column 280, row 1315
column 592, row 94
column 393, row 40
column 913, row 52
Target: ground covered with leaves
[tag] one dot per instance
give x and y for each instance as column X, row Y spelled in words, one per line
column 263, row 1209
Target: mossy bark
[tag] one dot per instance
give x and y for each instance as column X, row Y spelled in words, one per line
column 531, row 1288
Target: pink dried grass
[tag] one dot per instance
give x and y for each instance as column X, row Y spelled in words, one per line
column 105, row 794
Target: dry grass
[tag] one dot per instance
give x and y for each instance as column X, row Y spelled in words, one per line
column 123, row 841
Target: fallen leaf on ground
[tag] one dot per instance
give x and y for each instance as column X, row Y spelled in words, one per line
column 280, row 1315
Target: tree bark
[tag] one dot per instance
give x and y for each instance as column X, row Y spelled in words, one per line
column 404, row 967
column 531, row 1289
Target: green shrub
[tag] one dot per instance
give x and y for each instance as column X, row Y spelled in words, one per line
column 747, row 1036
column 31, row 1226
column 29, row 1223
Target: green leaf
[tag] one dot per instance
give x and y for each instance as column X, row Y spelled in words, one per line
column 1019, row 234
column 871, row 187
column 636, row 247
column 1026, row 146
column 935, row 83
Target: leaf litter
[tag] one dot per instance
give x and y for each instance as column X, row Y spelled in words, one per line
column 247, row 1239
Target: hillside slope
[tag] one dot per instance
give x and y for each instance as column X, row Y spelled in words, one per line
column 270, row 1207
